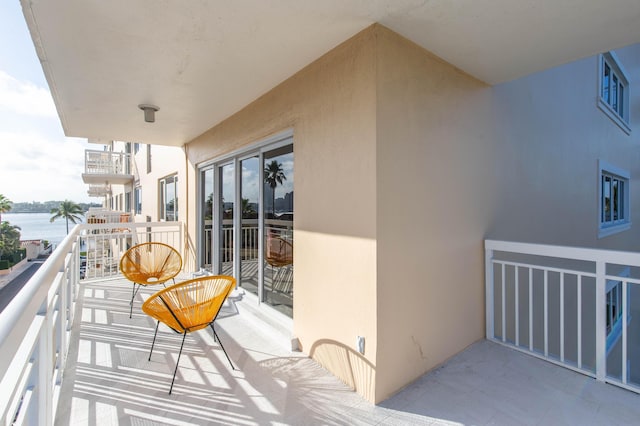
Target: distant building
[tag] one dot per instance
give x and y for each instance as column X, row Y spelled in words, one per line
column 35, row 248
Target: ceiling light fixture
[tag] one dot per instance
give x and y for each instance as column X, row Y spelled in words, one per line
column 149, row 112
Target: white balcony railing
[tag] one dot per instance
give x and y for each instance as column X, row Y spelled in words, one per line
column 35, row 326
column 107, row 162
column 101, row 215
column 576, row 307
column 249, row 247
column 105, row 243
column 99, row 190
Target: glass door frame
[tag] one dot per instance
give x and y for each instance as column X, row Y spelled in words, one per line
column 235, row 158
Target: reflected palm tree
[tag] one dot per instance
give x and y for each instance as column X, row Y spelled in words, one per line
column 247, row 209
column 274, row 176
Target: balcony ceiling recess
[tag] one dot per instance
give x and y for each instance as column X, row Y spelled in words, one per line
column 97, row 54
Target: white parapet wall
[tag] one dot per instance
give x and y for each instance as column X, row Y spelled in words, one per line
column 34, row 248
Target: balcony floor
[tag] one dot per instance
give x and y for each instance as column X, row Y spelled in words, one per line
column 110, row 381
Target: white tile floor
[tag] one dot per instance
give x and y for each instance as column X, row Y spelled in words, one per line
column 111, row 382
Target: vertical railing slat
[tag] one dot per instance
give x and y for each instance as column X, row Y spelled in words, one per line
column 579, row 319
column 531, row 309
column 625, row 309
column 489, row 285
column 517, row 307
column 601, row 324
column 546, row 312
column 504, row 307
column 562, row 316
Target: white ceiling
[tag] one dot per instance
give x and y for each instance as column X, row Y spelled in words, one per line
column 201, row 61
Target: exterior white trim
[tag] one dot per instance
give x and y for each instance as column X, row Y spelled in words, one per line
column 616, row 67
column 274, row 141
column 625, row 223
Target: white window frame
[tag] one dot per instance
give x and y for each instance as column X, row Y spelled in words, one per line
column 162, row 196
column 612, row 226
column 137, row 200
column 618, row 113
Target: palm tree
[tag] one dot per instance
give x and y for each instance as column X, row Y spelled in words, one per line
column 9, row 237
column 68, row 210
column 5, row 205
column 274, row 176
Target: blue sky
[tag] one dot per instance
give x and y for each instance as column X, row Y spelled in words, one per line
column 37, row 161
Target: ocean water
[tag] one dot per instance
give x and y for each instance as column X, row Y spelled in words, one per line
column 37, row 226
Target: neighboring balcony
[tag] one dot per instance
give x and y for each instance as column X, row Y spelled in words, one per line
column 106, row 167
column 101, row 190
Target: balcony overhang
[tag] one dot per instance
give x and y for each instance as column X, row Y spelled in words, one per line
column 202, row 61
column 106, row 178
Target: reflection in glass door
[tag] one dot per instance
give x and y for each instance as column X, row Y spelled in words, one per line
column 206, row 203
column 246, row 210
column 250, row 195
column 225, row 213
column 278, row 229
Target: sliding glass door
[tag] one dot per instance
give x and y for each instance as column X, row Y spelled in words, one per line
column 278, row 228
column 250, row 179
column 226, row 204
column 246, row 211
column 206, row 218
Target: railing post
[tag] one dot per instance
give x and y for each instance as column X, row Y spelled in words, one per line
column 601, row 325
column 45, row 370
column 488, row 280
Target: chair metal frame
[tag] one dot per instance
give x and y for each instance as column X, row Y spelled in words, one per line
column 155, row 276
column 179, row 321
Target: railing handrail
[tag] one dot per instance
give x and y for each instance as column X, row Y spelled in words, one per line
column 565, row 252
column 109, row 153
column 132, row 225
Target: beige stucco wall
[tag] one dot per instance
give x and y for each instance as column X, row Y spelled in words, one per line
column 330, row 105
column 435, row 168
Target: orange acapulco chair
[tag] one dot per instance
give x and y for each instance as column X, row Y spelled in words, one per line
column 190, row 306
column 149, row 264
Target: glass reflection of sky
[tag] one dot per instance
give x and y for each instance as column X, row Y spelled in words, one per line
column 250, row 183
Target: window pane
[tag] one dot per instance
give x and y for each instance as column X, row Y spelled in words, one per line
column 621, row 204
column 175, row 198
column 206, row 203
column 250, row 189
column 162, row 200
column 621, row 103
column 605, row 82
column 278, row 228
column 138, row 200
column 170, row 200
column 615, row 198
column 614, row 93
column 606, row 197
column 226, row 207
